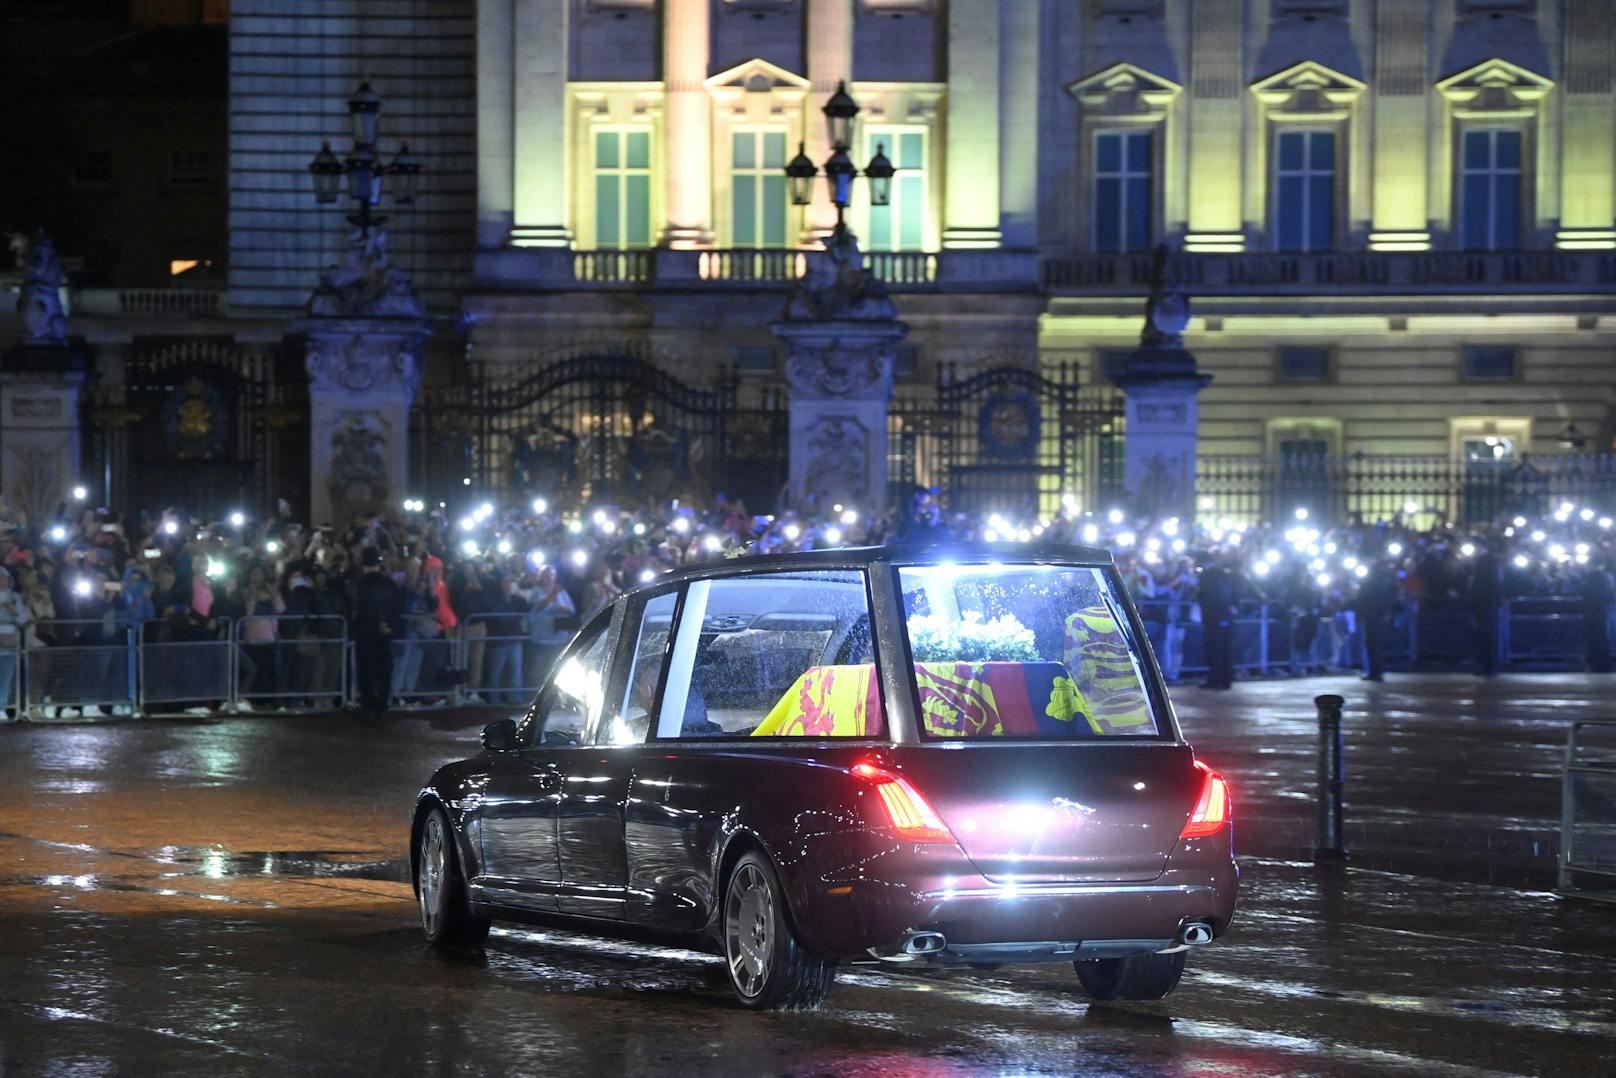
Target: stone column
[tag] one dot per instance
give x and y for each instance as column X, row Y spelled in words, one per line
column 687, row 135
column 40, row 379
column 496, row 113
column 1588, row 141
column 971, row 198
column 829, row 39
column 840, row 333
column 539, row 37
column 364, row 339
column 1161, row 383
column 1400, row 207
column 39, row 428
column 1216, row 117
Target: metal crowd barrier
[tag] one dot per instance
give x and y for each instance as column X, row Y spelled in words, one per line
column 11, row 681
column 84, row 666
column 1545, row 633
column 183, row 675
column 1588, row 816
column 290, row 662
column 513, row 665
column 421, row 672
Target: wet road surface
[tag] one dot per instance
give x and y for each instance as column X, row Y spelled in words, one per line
column 231, row 897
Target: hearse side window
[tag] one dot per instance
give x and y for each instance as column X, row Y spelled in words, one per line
column 577, row 688
column 630, row 725
column 1038, row 652
column 773, row 655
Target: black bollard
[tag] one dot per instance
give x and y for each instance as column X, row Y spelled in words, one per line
column 1331, row 845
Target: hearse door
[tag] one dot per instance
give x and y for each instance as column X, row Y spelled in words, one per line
column 600, row 782
column 520, row 839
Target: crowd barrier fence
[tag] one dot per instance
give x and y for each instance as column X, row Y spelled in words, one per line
column 302, row 663
column 1588, row 813
column 291, row 662
column 73, row 664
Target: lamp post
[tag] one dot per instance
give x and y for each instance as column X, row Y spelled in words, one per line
column 363, row 166
column 840, row 171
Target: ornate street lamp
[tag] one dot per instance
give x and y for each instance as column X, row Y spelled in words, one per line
column 800, row 174
column 840, row 171
column 364, row 167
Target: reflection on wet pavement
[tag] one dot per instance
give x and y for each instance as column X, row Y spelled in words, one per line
column 233, row 898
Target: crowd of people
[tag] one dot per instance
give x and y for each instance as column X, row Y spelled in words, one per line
column 473, row 599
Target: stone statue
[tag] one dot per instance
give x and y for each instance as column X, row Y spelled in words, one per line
column 361, row 364
column 40, row 300
column 367, row 284
column 1167, row 311
column 837, row 287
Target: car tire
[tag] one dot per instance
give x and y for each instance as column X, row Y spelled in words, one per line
column 447, row 919
column 1139, row 976
column 767, row 966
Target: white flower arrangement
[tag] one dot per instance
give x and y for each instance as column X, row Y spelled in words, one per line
column 939, row 638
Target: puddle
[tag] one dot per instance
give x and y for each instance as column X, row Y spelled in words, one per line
column 221, row 864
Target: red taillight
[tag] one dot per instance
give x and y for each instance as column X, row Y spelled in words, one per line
column 1212, row 809
column 910, row 814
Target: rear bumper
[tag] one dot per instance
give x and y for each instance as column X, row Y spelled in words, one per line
column 984, row 921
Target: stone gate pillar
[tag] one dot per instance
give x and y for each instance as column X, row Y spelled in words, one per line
column 840, row 333
column 1161, row 383
column 40, row 379
column 365, row 334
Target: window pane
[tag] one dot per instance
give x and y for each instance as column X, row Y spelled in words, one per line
column 774, row 149
column 637, row 214
column 607, row 211
column 577, row 692
column 1489, row 362
column 1507, row 151
column 1291, row 151
column 1507, row 211
column 1321, row 145
column 1108, row 214
column 881, row 228
column 639, row 149
column 630, row 726
column 1023, row 651
column 606, row 149
column 743, row 145
column 1290, row 214
column 1139, row 151
column 1321, row 213
column 743, row 200
column 912, row 212
column 1108, row 153
column 1304, row 365
column 1477, row 147
column 911, row 150
column 776, row 655
column 1139, row 214
column 774, row 211
column 1474, row 196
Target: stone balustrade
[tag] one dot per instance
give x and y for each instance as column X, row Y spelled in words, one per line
column 151, row 302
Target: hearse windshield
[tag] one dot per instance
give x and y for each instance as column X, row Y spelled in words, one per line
column 1033, row 652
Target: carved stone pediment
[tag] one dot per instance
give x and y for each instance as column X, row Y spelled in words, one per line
column 1124, row 89
column 1308, row 88
column 757, row 76
column 1495, row 87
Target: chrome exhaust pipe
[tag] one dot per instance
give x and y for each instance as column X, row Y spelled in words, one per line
column 924, row 943
column 1195, row 933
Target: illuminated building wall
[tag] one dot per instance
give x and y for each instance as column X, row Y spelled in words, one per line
column 1401, row 215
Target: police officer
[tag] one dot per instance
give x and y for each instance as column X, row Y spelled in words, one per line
column 1215, row 591
column 1374, row 603
column 378, row 606
column 1597, row 596
column 1486, row 593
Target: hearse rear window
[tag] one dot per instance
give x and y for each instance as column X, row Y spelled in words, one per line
column 773, row 655
column 1023, row 651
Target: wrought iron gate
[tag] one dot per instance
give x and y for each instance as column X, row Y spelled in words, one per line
column 592, row 427
column 201, row 424
column 1013, row 438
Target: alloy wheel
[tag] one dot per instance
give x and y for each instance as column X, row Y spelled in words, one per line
column 749, row 929
column 431, row 873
